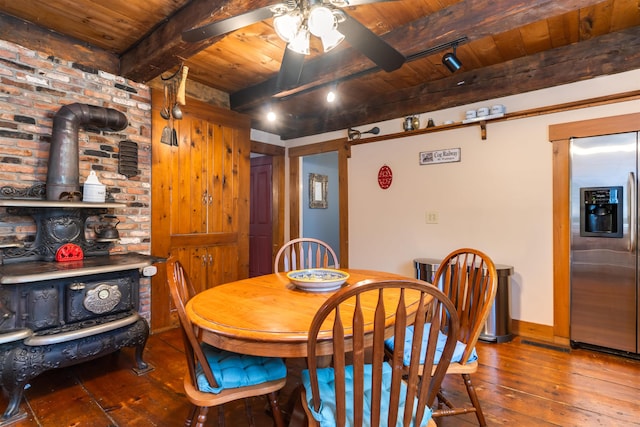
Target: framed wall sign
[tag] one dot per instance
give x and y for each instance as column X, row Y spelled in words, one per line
column 448, row 155
column 318, row 191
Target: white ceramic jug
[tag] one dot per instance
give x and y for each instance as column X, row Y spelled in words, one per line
column 94, row 191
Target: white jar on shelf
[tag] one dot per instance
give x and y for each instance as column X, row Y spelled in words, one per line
column 93, row 190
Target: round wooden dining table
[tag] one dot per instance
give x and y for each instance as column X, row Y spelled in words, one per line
column 269, row 316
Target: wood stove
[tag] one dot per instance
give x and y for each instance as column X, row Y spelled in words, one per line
column 58, row 314
column 64, row 299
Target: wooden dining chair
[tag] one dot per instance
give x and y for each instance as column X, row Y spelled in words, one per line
column 216, row 376
column 468, row 277
column 392, row 395
column 305, row 252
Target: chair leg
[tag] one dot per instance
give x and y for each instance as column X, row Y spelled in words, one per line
column 275, row 409
column 443, row 401
column 248, row 412
column 192, row 413
column 202, row 416
column 471, row 391
column 221, row 422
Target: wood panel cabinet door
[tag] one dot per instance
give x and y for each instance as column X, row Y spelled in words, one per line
column 206, row 177
column 200, row 199
column 208, row 264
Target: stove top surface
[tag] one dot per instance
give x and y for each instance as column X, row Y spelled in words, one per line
column 33, row 271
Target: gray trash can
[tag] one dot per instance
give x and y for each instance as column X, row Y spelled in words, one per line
column 498, row 325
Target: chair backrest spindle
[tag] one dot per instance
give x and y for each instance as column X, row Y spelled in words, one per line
column 303, row 253
column 182, row 291
column 387, row 385
column 469, row 279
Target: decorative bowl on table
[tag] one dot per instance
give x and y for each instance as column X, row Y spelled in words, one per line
column 318, row 279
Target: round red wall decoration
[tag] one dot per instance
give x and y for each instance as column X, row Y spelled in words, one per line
column 385, row 176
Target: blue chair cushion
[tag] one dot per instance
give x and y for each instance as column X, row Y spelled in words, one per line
column 326, row 415
column 233, row 370
column 442, row 339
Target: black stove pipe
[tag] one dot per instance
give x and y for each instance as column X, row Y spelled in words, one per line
column 63, row 174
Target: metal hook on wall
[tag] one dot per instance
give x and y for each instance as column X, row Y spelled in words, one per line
column 354, row 134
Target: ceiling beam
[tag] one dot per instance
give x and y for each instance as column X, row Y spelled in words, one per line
column 163, row 48
column 474, row 19
column 47, row 41
column 609, row 54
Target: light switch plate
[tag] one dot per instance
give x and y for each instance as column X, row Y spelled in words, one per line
column 431, row 217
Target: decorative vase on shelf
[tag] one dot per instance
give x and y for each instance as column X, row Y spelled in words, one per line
column 411, row 123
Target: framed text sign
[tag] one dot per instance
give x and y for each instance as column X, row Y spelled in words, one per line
column 448, row 155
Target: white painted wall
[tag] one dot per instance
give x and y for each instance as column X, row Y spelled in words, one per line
column 498, row 198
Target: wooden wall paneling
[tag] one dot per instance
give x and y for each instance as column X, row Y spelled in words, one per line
column 595, row 127
column 294, row 196
column 343, row 182
column 211, row 163
column 227, row 215
column 231, row 258
column 560, row 135
column 196, row 260
column 242, row 196
column 182, row 198
column 197, row 147
column 185, row 257
column 215, row 266
column 161, row 173
column 561, row 242
column 534, row 330
column 278, row 205
column 216, row 179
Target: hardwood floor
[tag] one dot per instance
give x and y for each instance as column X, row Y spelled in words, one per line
column 519, row 384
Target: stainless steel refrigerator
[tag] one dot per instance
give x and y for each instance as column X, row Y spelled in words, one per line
column 604, row 243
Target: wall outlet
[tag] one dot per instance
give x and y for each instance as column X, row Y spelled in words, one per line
column 431, row 217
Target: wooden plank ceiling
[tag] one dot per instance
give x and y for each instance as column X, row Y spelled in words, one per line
column 511, row 46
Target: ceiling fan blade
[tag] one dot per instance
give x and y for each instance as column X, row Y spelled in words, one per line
column 290, row 70
column 227, row 25
column 371, row 45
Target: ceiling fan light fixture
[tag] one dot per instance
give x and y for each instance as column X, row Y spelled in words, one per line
column 300, row 43
column 287, row 25
column 331, row 39
column 321, row 21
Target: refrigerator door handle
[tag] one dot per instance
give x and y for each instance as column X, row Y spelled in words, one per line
column 633, row 211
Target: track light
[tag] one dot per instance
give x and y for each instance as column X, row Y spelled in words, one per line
column 451, row 61
column 271, row 116
column 332, row 93
column 331, row 96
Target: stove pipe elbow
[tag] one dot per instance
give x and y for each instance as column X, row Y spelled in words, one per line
column 63, row 172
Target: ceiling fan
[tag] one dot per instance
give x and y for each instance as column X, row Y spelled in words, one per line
column 295, row 20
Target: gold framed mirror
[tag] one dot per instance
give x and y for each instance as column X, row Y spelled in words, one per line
column 317, row 191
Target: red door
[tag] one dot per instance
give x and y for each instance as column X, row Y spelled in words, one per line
column 260, row 223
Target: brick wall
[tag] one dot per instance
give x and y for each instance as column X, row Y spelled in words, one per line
column 33, row 87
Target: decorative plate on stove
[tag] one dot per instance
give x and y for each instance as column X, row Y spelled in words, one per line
column 318, row 279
